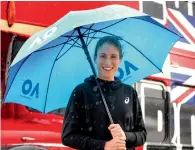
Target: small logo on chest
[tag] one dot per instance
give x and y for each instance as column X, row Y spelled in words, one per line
column 126, row 100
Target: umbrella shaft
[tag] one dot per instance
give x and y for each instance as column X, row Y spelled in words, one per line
column 84, row 46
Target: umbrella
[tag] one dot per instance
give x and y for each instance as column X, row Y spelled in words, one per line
column 53, row 61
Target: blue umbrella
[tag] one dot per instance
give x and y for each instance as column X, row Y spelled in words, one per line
column 53, row 61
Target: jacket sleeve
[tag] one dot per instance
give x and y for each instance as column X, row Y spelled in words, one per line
column 74, row 133
column 138, row 136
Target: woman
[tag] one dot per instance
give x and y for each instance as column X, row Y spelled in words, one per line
column 86, row 124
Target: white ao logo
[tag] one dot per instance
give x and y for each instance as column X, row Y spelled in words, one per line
column 48, row 34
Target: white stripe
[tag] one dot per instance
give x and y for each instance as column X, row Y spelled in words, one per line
column 193, row 130
column 20, row 28
column 178, row 28
column 176, row 137
column 190, row 8
column 185, row 46
column 145, row 146
column 177, row 4
column 183, row 70
column 160, row 121
column 177, row 91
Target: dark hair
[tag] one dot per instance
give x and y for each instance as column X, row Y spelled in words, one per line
column 114, row 40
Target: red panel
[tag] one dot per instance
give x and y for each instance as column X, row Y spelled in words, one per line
column 139, row 148
column 183, row 52
column 48, row 12
column 4, row 9
column 183, row 60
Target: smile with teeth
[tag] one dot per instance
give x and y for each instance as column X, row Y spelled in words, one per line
column 107, row 68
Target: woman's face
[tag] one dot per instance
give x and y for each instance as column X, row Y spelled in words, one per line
column 107, row 61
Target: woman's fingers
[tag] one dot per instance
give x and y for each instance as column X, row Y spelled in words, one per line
column 117, row 135
column 121, row 144
column 115, row 128
column 112, row 126
column 116, row 131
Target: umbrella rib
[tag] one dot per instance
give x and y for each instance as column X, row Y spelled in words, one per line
column 74, row 45
column 51, row 73
column 75, row 42
column 111, row 24
column 95, row 31
column 73, row 39
column 106, row 26
column 88, row 32
column 91, row 38
column 142, row 54
column 87, row 29
column 102, row 29
column 52, row 46
column 55, row 45
column 66, row 51
column 50, row 78
column 68, row 36
column 132, row 46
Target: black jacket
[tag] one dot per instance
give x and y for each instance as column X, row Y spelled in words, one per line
column 86, row 122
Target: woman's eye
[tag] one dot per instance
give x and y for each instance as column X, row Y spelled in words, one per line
column 114, row 57
column 103, row 56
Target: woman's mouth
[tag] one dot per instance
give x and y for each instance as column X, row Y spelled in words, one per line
column 107, row 68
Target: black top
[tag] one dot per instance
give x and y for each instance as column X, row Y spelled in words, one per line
column 86, row 121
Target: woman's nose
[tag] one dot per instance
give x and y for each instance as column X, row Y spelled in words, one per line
column 107, row 62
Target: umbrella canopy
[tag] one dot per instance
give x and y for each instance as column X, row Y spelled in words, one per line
column 53, row 61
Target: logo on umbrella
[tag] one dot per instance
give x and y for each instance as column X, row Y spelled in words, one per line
column 27, row 88
column 128, row 67
column 49, row 33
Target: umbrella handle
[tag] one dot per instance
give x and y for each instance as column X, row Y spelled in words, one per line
column 84, row 46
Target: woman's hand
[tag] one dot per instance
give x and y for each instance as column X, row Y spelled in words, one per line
column 119, row 138
column 115, row 144
column 117, row 131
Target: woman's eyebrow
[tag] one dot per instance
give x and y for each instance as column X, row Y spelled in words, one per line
column 108, row 54
column 114, row 54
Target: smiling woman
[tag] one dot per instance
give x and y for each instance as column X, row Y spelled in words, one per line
column 86, row 123
column 108, row 55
